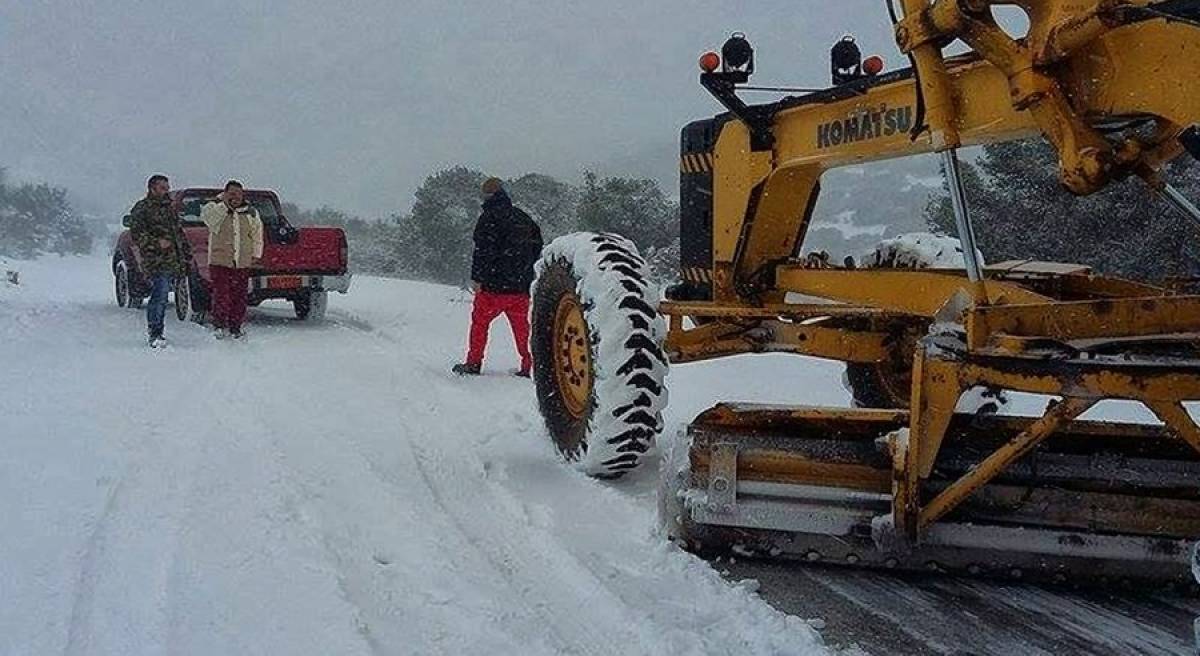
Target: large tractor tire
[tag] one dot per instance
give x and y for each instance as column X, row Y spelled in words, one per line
column 598, row 362
column 880, row 384
column 888, row 384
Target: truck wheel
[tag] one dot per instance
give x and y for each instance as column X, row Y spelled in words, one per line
column 183, row 298
column 311, row 306
column 123, row 286
column 599, row 367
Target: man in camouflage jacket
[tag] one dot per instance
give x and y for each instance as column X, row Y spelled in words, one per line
column 165, row 253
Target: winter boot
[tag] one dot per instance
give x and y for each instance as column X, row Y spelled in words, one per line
column 157, row 340
column 521, row 373
column 467, row 369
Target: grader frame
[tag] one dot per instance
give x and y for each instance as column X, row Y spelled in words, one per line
column 1084, row 70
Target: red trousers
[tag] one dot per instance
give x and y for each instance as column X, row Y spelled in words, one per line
column 229, row 296
column 488, row 306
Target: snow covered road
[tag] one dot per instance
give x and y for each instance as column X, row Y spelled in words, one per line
column 319, row 489
column 331, row 489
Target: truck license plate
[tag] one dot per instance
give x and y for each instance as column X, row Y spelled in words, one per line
column 283, row 282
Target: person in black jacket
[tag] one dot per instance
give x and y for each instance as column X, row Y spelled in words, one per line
column 507, row 244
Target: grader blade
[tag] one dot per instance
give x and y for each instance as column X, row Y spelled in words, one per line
column 1099, row 503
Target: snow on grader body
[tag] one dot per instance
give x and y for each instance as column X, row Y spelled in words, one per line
column 908, row 479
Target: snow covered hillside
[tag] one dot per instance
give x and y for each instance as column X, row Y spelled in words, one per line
column 327, row 489
column 860, row 205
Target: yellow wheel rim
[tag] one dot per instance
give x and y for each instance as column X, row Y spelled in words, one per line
column 572, row 356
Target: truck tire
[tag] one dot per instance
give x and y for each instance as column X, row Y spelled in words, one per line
column 201, row 298
column 311, row 306
column 123, row 286
column 183, row 298
column 598, row 363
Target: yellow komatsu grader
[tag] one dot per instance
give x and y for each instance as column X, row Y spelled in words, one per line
column 910, row 478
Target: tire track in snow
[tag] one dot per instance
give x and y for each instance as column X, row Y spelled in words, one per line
column 85, row 587
column 514, row 567
column 355, row 584
column 331, row 555
column 141, row 480
column 514, row 564
column 211, row 398
column 309, row 515
column 505, row 568
column 29, row 321
column 670, row 602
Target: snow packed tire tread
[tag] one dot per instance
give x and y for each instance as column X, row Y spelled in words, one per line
column 626, row 334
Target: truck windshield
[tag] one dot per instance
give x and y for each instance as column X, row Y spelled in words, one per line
column 264, row 205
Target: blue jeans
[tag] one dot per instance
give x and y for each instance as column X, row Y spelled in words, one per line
column 160, row 284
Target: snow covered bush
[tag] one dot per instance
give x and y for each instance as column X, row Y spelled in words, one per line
column 37, row 219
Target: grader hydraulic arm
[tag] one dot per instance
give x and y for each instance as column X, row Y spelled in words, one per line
column 1083, row 71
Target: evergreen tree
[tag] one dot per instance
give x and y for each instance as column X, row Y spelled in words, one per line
column 550, row 202
column 434, row 240
column 1020, row 211
column 634, row 208
column 443, row 221
column 323, row 215
column 388, row 246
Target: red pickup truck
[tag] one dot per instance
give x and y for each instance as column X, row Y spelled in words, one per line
column 301, row 265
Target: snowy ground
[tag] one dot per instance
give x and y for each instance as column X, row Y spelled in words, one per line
column 331, row 489
column 319, row 489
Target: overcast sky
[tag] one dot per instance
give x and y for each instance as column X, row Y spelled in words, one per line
column 352, row 104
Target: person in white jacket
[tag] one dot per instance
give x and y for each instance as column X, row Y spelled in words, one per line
column 235, row 247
